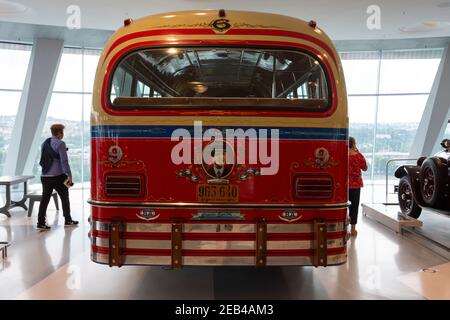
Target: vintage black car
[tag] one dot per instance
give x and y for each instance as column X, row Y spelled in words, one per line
column 426, row 184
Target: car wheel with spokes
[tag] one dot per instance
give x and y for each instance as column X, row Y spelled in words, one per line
column 406, row 200
column 431, row 182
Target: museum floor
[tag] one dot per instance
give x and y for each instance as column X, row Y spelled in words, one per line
column 56, row 265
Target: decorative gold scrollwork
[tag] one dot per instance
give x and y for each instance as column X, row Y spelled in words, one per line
column 122, row 163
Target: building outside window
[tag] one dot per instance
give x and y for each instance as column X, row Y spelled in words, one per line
column 387, row 94
column 70, row 104
column 14, row 59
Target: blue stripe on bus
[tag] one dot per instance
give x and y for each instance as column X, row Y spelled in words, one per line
column 340, row 134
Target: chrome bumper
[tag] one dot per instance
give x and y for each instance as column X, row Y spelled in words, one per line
column 218, row 243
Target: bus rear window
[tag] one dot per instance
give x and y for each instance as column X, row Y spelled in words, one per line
column 219, row 78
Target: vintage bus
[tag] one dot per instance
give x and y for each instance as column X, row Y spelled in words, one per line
column 167, row 87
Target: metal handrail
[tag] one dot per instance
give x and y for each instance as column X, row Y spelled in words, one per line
column 387, row 176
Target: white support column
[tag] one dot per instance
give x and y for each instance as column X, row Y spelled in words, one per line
column 436, row 113
column 33, row 106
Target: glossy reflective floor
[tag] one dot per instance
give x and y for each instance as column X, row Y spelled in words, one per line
column 56, row 265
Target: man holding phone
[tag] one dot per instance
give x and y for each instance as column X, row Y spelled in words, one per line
column 56, row 175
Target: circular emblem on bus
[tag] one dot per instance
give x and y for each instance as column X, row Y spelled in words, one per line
column 218, row 159
column 290, row 216
column 221, row 25
column 322, row 156
column 115, row 154
column 321, row 160
column 147, row 214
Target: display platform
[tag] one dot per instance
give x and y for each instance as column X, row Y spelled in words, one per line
column 431, row 230
column 434, row 233
column 389, row 216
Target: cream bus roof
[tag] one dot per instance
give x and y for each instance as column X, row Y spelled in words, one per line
column 206, row 19
column 214, row 26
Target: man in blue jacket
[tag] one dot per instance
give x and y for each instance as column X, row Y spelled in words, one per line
column 56, row 175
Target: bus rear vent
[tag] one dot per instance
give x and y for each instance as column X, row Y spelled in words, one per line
column 313, row 187
column 123, row 186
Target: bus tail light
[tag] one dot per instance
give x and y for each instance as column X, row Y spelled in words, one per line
column 311, row 187
column 123, row 186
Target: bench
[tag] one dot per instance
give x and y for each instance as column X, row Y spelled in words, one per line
column 4, row 249
column 34, row 196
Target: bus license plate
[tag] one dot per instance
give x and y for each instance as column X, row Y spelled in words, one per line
column 218, row 193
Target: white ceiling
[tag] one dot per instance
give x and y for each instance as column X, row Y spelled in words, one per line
column 341, row 19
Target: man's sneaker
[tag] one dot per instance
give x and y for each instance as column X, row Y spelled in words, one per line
column 70, row 223
column 43, row 227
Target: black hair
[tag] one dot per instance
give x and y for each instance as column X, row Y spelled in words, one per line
column 351, row 142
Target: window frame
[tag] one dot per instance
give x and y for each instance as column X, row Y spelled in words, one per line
column 263, row 104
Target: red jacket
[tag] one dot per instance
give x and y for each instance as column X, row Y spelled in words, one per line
column 357, row 162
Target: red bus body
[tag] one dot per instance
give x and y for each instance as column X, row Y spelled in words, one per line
column 146, row 210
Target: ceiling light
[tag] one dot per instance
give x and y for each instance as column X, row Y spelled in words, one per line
column 172, row 51
column 9, row 8
column 426, row 26
column 198, row 87
column 443, row 5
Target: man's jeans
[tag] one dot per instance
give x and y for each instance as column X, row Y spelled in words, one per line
column 48, row 185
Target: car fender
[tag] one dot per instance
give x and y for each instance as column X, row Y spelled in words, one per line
column 420, row 161
column 412, row 171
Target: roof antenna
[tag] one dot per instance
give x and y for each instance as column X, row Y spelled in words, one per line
column 222, row 13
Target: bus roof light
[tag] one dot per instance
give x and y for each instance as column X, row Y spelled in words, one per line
column 312, row 24
column 127, row 22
